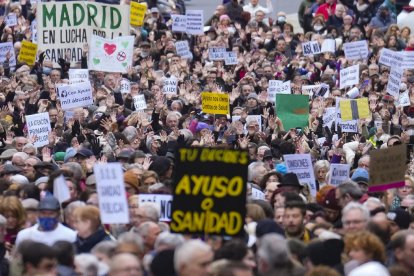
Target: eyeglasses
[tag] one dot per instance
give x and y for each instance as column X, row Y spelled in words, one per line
column 349, row 222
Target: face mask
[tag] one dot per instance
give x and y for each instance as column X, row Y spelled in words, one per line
column 318, row 27
column 47, row 70
column 144, row 54
column 48, row 224
column 267, row 40
column 281, row 19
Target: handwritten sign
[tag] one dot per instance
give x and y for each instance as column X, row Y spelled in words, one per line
column 179, row 23
column 125, row 86
column 215, row 103
column 170, row 86
column 404, row 99
column 391, row 58
column 163, row 201
column 356, row 50
column 301, row 165
column 38, row 126
column 277, row 87
column 110, row 186
column 338, row 173
column 137, row 13
column 78, row 75
column 329, row 117
column 182, row 49
column 28, row 52
column 5, row 49
column 216, row 53
column 349, row 76
column 394, row 81
column 230, row 58
column 311, row 48
column 195, row 22
column 139, row 102
column 75, row 95
column 11, row 19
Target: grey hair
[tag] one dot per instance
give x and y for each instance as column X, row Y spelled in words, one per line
column 105, row 247
column 151, row 211
column 143, row 228
column 30, row 146
column 75, row 168
column 321, row 164
column 274, row 250
column 130, row 133
column 22, row 155
column 356, row 206
column 252, row 169
column 351, row 188
column 89, row 264
column 362, row 158
column 169, row 239
column 375, row 201
column 183, row 254
column 132, row 237
column 72, row 206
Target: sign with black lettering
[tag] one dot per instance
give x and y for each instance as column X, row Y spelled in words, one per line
column 216, row 53
column 209, row 191
column 311, row 48
column 338, row 173
column 195, row 22
column 38, row 126
column 163, row 201
column 139, row 102
column 113, row 204
column 11, row 19
column 301, row 165
column 75, row 95
column 170, row 86
column 179, row 23
column 78, row 75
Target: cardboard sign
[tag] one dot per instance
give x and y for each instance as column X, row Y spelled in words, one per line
column 216, row 53
column 64, row 27
column 137, row 13
column 394, row 81
column 111, row 55
column 28, row 52
column 329, row 117
column 38, row 125
column 338, row 173
column 182, row 49
column 387, row 168
column 301, row 165
column 293, row 110
column 354, row 109
column 356, row 50
column 257, row 194
column 6, row 48
column 404, row 99
column 391, row 58
column 139, row 102
column 328, row 45
column 11, row 19
column 209, row 191
column 110, row 186
column 311, row 48
column 163, row 201
column 179, row 23
column 125, row 86
column 61, row 189
column 215, row 103
column 195, row 22
column 170, row 86
column 230, row 58
column 78, row 75
column 75, row 95
column 349, row 76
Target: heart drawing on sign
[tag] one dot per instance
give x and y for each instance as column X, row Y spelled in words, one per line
column 96, row 61
column 109, row 48
column 124, row 64
column 125, row 44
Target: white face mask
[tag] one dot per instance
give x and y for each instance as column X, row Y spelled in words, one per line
column 318, row 27
column 281, row 19
column 267, row 40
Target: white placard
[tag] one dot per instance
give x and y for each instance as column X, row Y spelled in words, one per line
column 404, row 99
column 329, row 117
column 75, row 95
column 356, row 50
column 301, row 165
column 170, row 86
column 323, row 91
column 378, row 124
column 216, row 53
column 391, row 58
column 6, row 48
column 139, row 102
column 349, row 76
column 311, row 48
column 179, row 23
column 394, row 81
column 38, row 125
column 408, row 59
column 230, row 58
column 61, row 189
column 328, row 45
column 277, row 87
column 338, row 173
column 257, row 194
column 110, row 186
column 125, row 86
column 310, row 89
column 78, row 75
column 182, row 49
column 164, row 202
column 11, row 19
column 195, row 22
column 33, row 29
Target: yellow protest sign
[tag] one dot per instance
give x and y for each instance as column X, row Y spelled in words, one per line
column 137, row 13
column 215, row 103
column 28, row 52
column 354, row 109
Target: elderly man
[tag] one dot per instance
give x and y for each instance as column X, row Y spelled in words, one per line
column 347, row 192
column 149, row 231
column 193, row 258
column 145, row 212
column 19, row 159
column 125, row 264
column 355, row 217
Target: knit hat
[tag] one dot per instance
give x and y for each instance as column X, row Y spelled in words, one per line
column 59, row 156
column 224, row 17
column 131, row 178
column 201, row 126
column 253, row 95
column 160, row 165
column 360, row 176
column 281, row 168
column 330, row 201
column 400, row 217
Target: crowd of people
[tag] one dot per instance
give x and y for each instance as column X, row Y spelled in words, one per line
column 344, row 230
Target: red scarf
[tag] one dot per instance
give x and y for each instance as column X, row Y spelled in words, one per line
column 408, row 8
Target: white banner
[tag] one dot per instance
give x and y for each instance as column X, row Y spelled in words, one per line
column 311, row 48
column 338, row 173
column 78, row 75
column 139, row 102
column 164, row 202
column 349, row 76
column 38, row 126
column 195, row 22
column 404, row 99
column 394, row 81
column 110, row 186
column 408, row 59
column 75, row 95
column 356, row 50
column 277, row 87
column 301, row 165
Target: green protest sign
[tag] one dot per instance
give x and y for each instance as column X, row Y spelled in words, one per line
column 293, row 110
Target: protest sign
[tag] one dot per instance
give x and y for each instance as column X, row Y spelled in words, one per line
column 394, row 81
column 354, row 109
column 348, row 126
column 310, row 89
column 139, row 102
column 311, row 48
column 28, row 52
column 125, row 86
column 277, row 87
column 170, row 86
column 338, row 173
column 78, row 75
column 5, row 49
column 408, row 57
column 356, row 50
column 329, row 117
column 163, row 201
column 230, row 58
column 110, row 186
column 209, row 191
column 64, row 27
column 349, row 76
column 38, row 126
column 215, row 103
column 301, row 165
column 391, row 58
column 111, row 55
column 179, row 23
column 195, row 22
column 404, row 99
column 11, row 19
column 322, row 91
column 328, row 45
column 353, row 93
column 137, row 13
column 182, row 49
column 33, row 29
column 61, row 189
column 257, row 194
column 75, row 95
column 387, row 168
column 216, row 53
column 293, row 110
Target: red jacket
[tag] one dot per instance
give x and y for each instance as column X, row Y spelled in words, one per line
column 323, row 9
